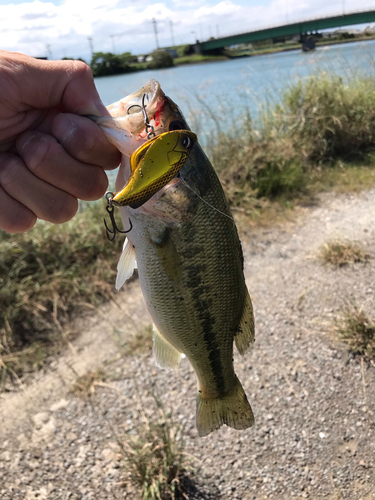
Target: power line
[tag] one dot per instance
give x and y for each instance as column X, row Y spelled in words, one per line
column 113, row 43
column 156, row 32
column 89, row 38
column 49, row 52
column 172, row 36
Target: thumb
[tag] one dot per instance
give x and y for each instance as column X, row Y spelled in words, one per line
column 46, row 84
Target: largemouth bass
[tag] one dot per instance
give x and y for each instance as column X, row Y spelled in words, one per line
column 190, row 262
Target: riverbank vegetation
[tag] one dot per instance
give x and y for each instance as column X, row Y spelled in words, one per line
column 322, row 127
column 320, row 136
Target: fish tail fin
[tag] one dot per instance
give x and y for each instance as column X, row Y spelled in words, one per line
column 233, row 410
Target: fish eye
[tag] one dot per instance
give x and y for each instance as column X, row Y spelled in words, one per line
column 176, row 125
column 134, row 108
column 186, row 142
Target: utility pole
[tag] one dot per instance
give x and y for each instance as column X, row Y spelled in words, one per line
column 91, row 46
column 200, row 32
column 49, row 50
column 113, row 43
column 172, row 36
column 156, row 32
column 217, row 31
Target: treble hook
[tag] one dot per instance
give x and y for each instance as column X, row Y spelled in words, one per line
column 149, row 128
column 110, row 209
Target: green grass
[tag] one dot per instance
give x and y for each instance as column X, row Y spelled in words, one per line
column 198, row 58
column 155, row 457
column 46, row 275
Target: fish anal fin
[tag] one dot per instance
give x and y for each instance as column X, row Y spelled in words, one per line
column 126, row 264
column 233, row 410
column 166, row 355
column 245, row 334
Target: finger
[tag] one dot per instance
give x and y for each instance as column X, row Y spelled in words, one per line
column 49, row 161
column 14, row 217
column 85, row 141
column 52, row 83
column 45, row 201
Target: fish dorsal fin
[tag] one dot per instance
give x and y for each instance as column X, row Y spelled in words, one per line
column 166, row 355
column 126, row 264
column 245, row 334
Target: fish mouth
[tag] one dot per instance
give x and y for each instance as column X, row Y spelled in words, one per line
column 134, row 117
column 129, row 111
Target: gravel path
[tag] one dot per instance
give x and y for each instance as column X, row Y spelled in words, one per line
column 314, row 404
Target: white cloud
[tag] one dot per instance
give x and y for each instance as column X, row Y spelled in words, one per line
column 221, row 9
column 29, row 27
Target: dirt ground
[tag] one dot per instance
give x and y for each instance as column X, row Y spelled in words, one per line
column 314, row 404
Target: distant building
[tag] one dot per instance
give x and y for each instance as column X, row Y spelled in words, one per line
column 351, row 31
column 369, row 29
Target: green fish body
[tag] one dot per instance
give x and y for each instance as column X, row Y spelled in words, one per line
column 190, row 264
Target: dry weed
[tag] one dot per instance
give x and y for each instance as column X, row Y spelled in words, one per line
column 357, row 330
column 341, row 253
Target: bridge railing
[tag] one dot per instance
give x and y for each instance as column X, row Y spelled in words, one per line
column 294, row 22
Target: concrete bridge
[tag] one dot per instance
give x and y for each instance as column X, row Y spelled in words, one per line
column 302, row 28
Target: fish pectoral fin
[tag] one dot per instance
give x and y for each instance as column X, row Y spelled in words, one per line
column 167, row 253
column 166, row 355
column 245, row 334
column 126, row 264
column 233, row 410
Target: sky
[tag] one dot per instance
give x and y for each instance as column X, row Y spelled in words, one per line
column 62, row 28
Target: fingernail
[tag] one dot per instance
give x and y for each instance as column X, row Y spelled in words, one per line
column 63, row 128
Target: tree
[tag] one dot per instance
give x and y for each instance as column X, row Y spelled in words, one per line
column 160, row 59
column 106, row 63
column 73, row 59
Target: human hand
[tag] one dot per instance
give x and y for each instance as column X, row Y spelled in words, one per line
column 51, row 155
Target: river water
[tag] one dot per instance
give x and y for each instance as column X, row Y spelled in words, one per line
column 241, row 83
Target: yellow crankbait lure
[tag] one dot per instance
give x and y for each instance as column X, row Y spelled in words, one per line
column 153, row 165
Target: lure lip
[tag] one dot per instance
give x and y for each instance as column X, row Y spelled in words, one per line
column 133, row 193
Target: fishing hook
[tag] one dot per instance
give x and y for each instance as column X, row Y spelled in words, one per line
column 110, row 208
column 149, row 128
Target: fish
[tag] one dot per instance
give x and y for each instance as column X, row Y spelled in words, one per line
column 190, row 263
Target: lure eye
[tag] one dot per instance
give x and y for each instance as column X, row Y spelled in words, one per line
column 186, row 142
